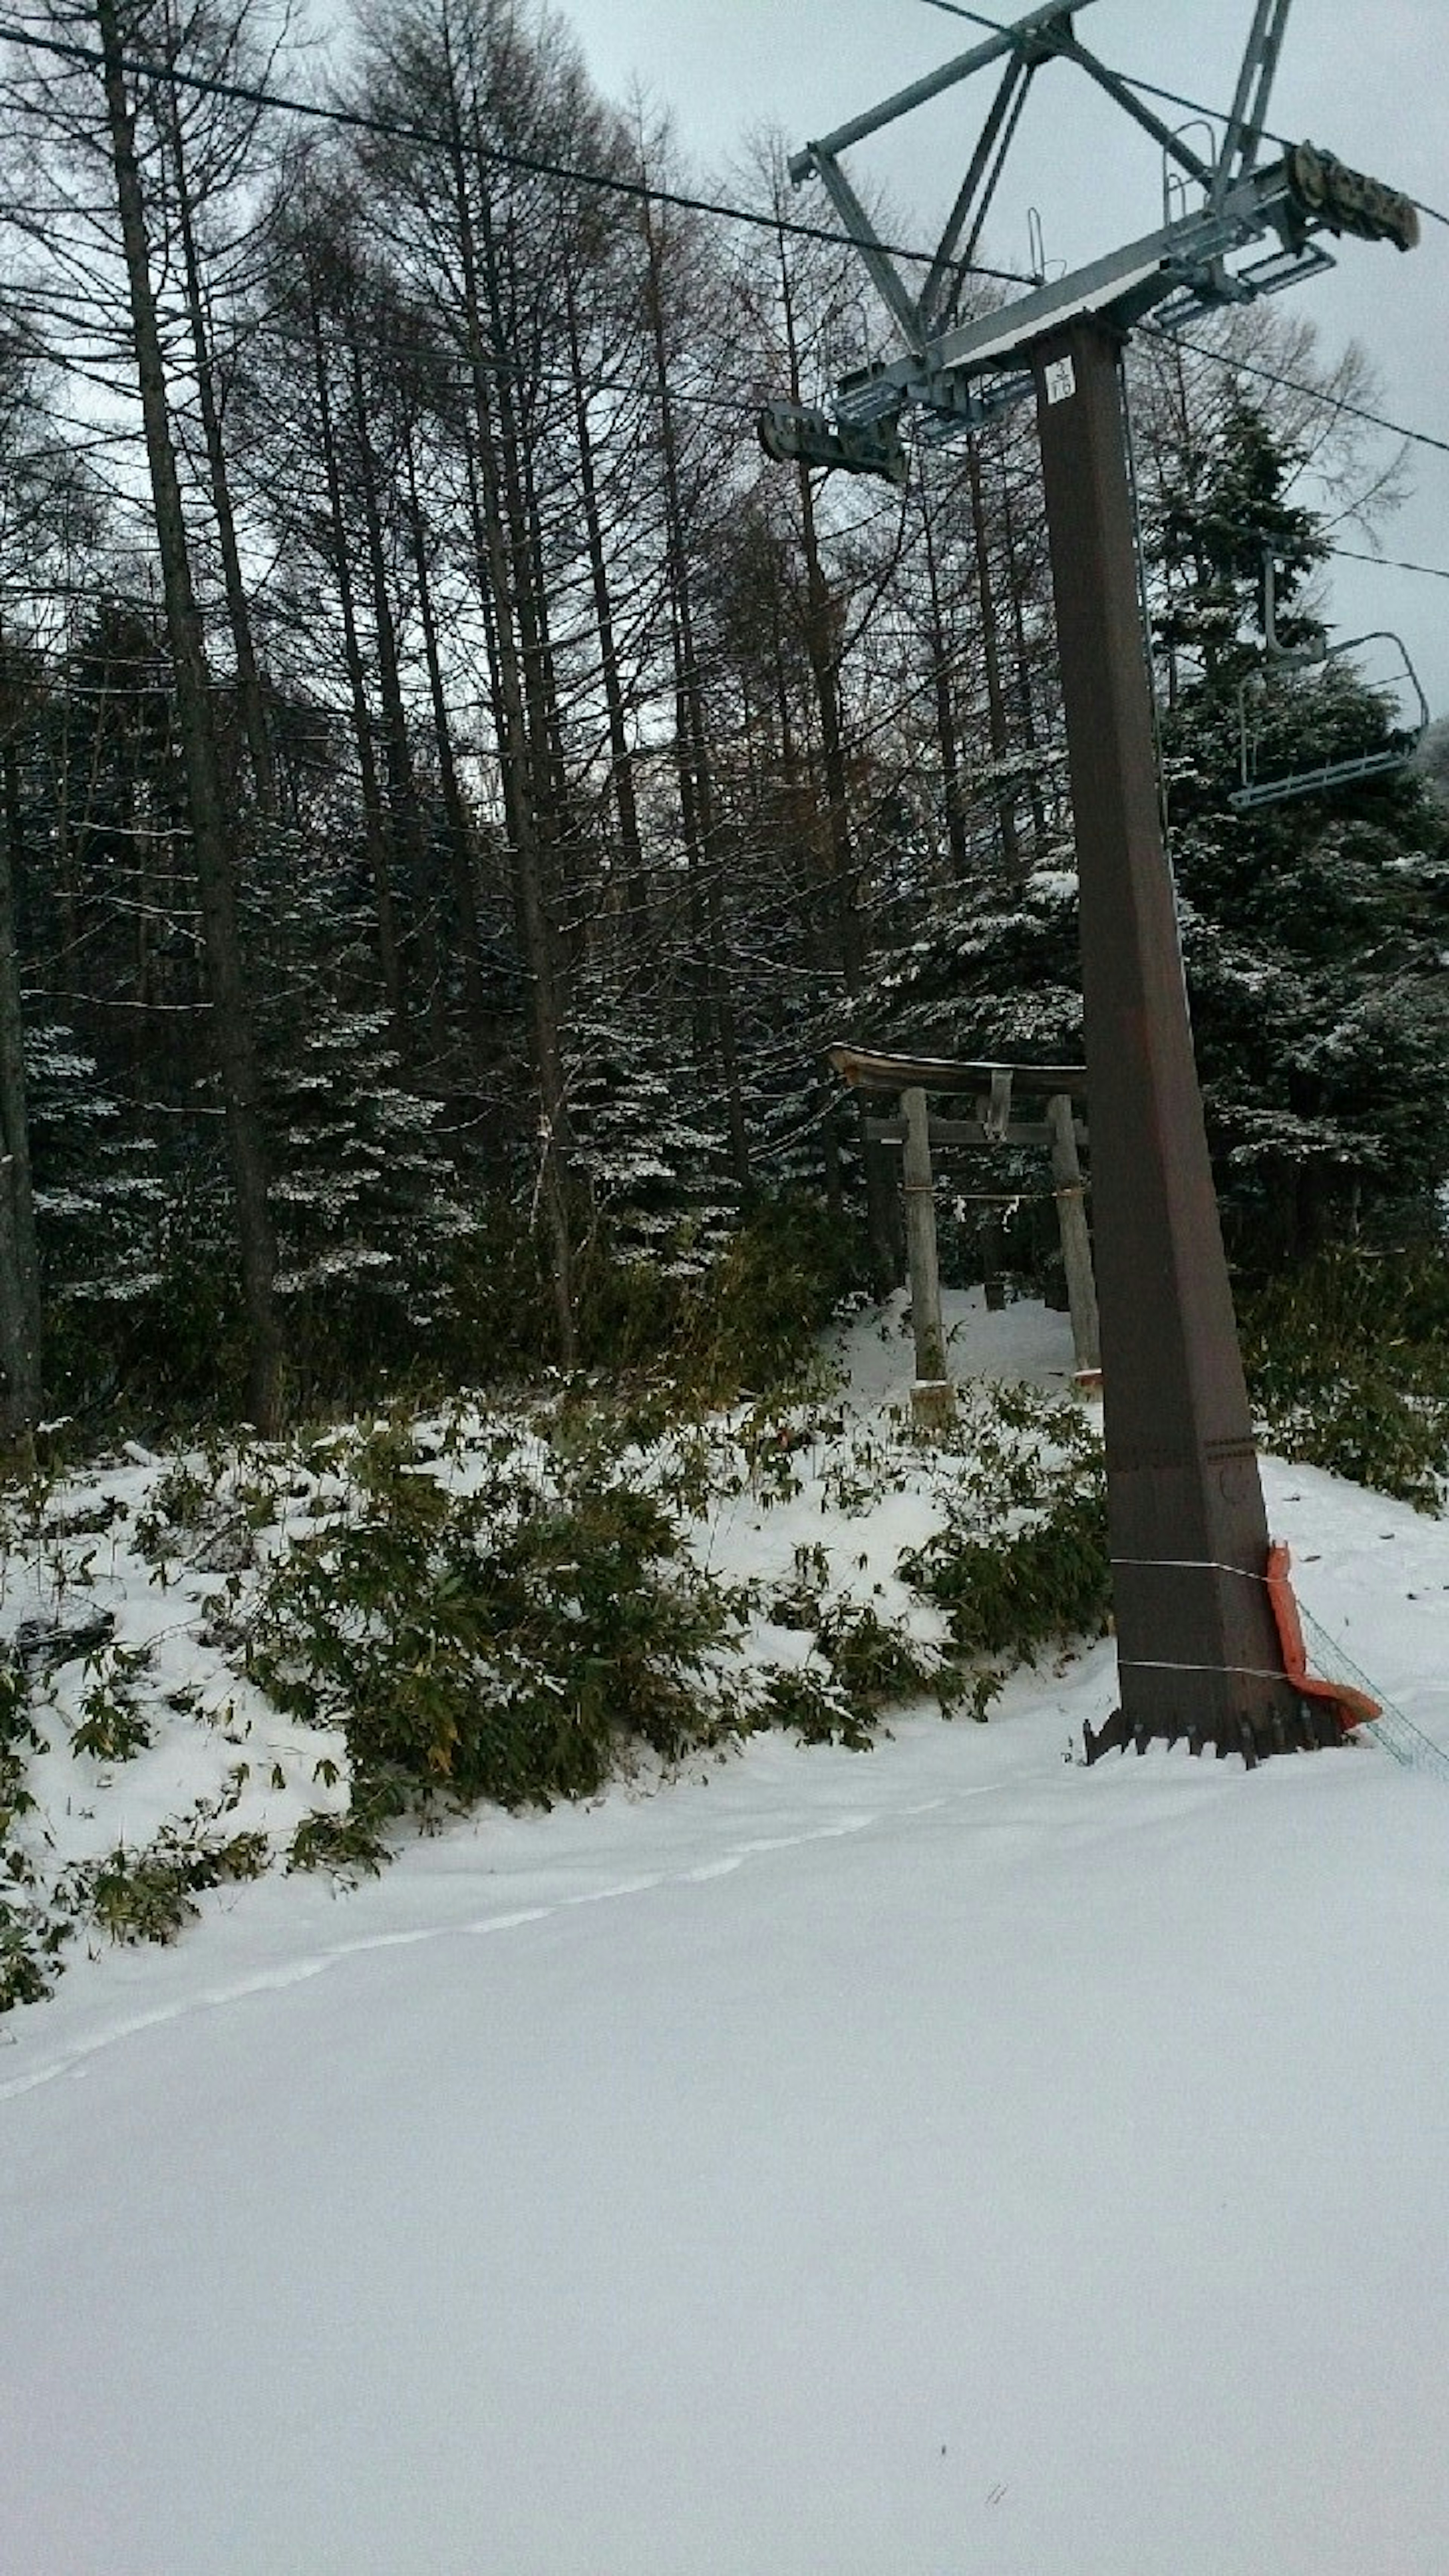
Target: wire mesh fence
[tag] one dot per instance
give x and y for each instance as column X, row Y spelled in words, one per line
column 1399, row 1736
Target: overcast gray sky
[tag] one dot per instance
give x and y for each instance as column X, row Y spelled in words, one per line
column 1367, row 78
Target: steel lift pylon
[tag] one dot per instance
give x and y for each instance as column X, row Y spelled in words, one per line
column 1199, row 1652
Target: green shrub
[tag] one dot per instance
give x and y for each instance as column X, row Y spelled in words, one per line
column 754, row 1318
column 148, row 1895
column 349, row 1845
column 1348, row 1363
column 112, row 1728
column 874, row 1664
column 817, row 1709
column 19, row 1737
column 629, row 1311
column 1048, row 1584
column 502, row 1643
column 1022, row 1559
column 29, row 1940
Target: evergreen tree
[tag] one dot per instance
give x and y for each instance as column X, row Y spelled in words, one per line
column 101, row 1198
column 1313, row 927
column 366, row 1202
column 650, row 1143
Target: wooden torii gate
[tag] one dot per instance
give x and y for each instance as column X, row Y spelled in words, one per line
column 994, row 1123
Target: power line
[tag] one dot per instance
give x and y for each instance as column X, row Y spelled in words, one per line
column 1290, row 384
column 1392, row 563
column 643, row 191
column 250, row 94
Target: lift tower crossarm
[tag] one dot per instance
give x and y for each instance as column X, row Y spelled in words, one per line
column 1013, row 39
column 1131, row 280
column 1031, row 40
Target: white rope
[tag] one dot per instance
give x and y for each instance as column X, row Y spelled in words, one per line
column 1189, row 1565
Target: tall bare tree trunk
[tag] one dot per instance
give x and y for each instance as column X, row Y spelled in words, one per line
column 459, row 838
column 621, row 755
column 402, row 796
column 238, row 607
column 513, row 633
column 20, row 1307
column 378, row 855
column 995, row 703
column 1025, row 703
column 881, row 1206
column 231, row 1026
column 950, row 749
column 695, row 767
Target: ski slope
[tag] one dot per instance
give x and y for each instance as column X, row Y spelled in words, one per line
column 941, row 2161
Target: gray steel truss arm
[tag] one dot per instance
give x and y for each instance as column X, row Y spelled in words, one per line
column 1066, row 46
column 1015, row 39
column 862, row 232
column 1250, row 105
column 1006, row 107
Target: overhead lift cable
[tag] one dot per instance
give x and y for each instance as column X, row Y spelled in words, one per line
column 646, row 191
column 1289, row 384
column 397, row 129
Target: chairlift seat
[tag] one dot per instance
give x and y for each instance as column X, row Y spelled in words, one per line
column 1349, row 771
column 1317, row 782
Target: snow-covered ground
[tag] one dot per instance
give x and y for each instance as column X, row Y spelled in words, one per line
column 939, row 2161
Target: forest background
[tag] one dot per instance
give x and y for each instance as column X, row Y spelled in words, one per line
column 453, row 789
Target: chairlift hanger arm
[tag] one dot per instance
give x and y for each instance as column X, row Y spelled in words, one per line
column 1285, row 656
column 1250, row 101
column 1407, row 678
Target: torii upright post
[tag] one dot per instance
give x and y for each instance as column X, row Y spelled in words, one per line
column 1197, row 1649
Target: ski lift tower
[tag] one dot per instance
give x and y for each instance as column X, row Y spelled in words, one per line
column 1198, row 1650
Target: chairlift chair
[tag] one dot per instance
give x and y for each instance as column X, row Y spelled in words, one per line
column 1350, row 771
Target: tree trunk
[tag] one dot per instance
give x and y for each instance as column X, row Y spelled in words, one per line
column 621, row 755
column 1026, row 706
column 995, row 703
column 465, row 893
column 238, row 609
column 945, row 712
column 512, row 634
column 20, row 1306
column 880, row 1192
column 402, row 797
column 231, row 1026
column 696, row 780
column 378, row 856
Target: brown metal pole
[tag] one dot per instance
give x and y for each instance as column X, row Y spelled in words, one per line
column 1195, row 1637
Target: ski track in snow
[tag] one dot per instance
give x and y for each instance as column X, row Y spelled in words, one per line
column 481, row 1927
